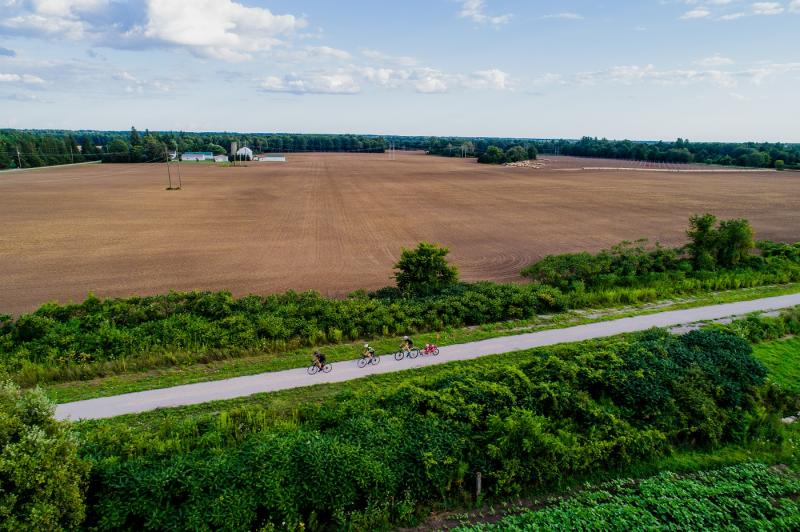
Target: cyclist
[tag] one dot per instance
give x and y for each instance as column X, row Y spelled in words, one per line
column 408, row 344
column 319, row 360
column 369, row 352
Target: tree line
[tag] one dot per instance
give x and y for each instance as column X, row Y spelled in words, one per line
column 33, row 148
column 748, row 154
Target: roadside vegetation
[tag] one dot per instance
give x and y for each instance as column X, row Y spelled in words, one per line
column 60, row 343
column 377, row 452
column 782, row 358
column 386, row 450
column 744, row 497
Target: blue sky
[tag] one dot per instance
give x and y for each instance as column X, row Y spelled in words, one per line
column 702, row 69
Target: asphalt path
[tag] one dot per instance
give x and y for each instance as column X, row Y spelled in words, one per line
column 203, row 392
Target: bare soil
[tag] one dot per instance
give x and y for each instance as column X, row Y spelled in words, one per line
column 337, row 222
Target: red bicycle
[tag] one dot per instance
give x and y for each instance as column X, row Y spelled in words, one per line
column 429, row 349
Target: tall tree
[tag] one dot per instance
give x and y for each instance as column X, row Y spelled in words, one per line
column 424, row 271
column 136, row 139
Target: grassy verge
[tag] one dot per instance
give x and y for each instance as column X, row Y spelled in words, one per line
column 189, row 371
column 782, row 359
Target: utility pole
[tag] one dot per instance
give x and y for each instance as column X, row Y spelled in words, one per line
column 19, row 158
column 169, row 175
column 71, row 156
column 180, row 184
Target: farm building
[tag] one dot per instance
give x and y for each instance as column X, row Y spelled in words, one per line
column 197, row 156
column 244, row 153
column 271, row 157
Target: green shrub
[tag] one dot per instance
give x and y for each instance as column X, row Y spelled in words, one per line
column 41, row 477
column 561, row 412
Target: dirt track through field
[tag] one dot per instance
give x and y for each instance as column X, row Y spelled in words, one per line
column 336, row 222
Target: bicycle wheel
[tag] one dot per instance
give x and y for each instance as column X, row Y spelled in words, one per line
column 414, row 353
column 327, row 368
column 399, row 356
column 362, row 362
column 436, row 351
column 312, row 370
column 375, row 361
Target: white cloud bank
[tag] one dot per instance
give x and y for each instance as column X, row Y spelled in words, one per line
column 27, row 79
column 220, row 29
column 352, row 79
column 475, row 10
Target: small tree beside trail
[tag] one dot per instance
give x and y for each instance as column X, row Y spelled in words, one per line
column 424, row 271
column 42, row 478
column 713, row 245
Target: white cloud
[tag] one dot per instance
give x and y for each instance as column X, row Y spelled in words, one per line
column 699, row 12
column 328, row 52
column 27, row 79
column 475, row 10
column 312, row 83
column 565, row 16
column 794, row 6
column 733, row 16
column 221, row 29
column 715, row 60
column 429, row 82
column 53, row 17
column 352, row 79
column 124, row 76
column 767, row 8
column 649, row 74
column 385, row 58
column 488, row 79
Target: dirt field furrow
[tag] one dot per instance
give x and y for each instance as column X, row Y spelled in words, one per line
column 337, row 222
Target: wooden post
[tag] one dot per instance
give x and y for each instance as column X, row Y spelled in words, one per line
column 478, row 485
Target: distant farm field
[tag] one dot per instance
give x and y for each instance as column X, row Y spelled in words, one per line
column 336, row 222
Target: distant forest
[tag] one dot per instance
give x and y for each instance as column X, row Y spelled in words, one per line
column 34, row 148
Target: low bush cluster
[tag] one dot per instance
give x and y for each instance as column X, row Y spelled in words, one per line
column 42, row 479
column 743, row 497
column 101, row 330
column 635, row 265
column 369, row 458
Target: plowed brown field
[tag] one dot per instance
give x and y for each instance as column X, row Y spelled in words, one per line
column 336, row 222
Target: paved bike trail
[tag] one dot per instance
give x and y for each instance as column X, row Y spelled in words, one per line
column 202, row 392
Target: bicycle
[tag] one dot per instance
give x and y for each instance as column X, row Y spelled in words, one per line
column 313, row 369
column 430, row 349
column 365, row 360
column 403, row 353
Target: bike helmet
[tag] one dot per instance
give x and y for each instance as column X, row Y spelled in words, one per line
column 405, row 337
column 366, row 345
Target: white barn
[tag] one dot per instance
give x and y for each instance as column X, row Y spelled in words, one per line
column 244, row 153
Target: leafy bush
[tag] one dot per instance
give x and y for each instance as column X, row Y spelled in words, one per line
column 716, row 253
column 371, row 456
column 424, row 271
column 41, row 477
